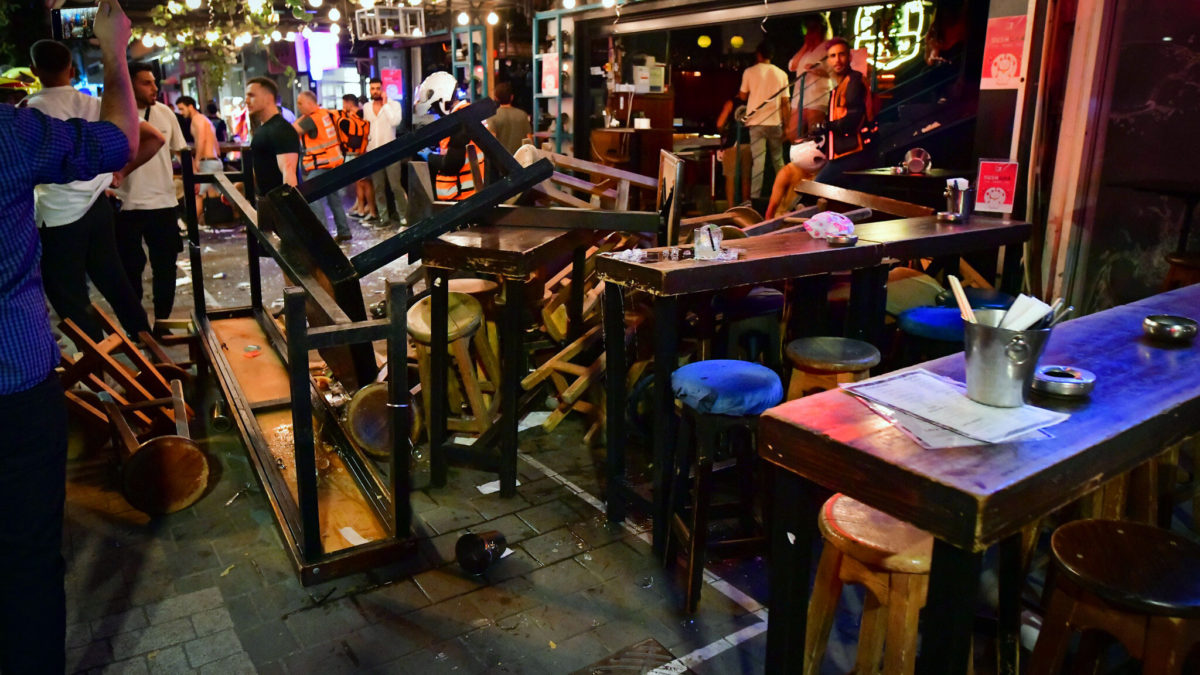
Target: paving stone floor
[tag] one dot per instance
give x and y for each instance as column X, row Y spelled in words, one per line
column 211, row 590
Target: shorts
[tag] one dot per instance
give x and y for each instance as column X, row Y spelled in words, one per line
column 211, row 166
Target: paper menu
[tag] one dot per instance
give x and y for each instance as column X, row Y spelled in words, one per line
column 932, row 437
column 926, row 396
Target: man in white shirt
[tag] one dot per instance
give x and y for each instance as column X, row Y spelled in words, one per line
column 384, row 116
column 765, row 90
column 148, row 209
column 75, row 220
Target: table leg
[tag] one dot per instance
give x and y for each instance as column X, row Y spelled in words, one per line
column 949, row 612
column 666, row 337
column 575, row 303
column 614, row 390
column 1010, row 276
column 868, row 302
column 439, row 297
column 1008, row 627
column 512, row 367
column 808, row 307
column 793, row 531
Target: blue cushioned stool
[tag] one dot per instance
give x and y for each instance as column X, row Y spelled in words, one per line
column 930, row 332
column 722, row 400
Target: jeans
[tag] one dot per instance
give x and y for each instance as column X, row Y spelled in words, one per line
column 766, row 142
column 86, row 248
column 33, row 476
column 159, row 229
column 390, row 176
column 335, row 205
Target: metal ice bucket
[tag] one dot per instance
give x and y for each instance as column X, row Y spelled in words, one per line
column 1001, row 362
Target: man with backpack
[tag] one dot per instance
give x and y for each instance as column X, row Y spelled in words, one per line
column 354, row 131
column 318, row 130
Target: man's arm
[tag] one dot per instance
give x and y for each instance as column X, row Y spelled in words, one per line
column 117, row 104
column 287, row 166
column 150, row 140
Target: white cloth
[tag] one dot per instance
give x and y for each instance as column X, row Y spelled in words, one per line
column 57, row 205
column 152, row 185
column 383, row 124
column 761, row 81
column 816, row 86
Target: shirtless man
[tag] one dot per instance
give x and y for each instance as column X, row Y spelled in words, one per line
column 205, row 158
column 806, row 160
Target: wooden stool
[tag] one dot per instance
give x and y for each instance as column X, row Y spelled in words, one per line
column 1183, row 270
column 485, row 292
column 719, row 397
column 888, row 557
column 1135, row 582
column 820, row 363
column 464, row 318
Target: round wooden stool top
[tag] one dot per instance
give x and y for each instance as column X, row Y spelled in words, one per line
column 1140, row 567
column 464, row 314
column 166, row 474
column 873, row 537
column 476, row 288
column 832, row 355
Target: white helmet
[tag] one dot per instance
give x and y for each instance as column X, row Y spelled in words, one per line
column 808, row 156
column 435, row 96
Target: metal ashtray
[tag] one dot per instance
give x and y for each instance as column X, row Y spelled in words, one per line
column 1169, row 327
column 950, row 217
column 1066, row 381
column 843, row 240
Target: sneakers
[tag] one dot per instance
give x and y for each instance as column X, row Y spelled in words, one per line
column 343, row 237
column 372, row 220
column 356, row 215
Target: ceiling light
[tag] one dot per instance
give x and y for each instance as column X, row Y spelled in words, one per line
column 335, row 28
column 334, row 14
column 389, row 32
column 463, row 19
column 416, row 32
column 493, row 19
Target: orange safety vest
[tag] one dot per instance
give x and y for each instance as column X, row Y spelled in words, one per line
column 458, row 186
column 324, row 151
column 837, row 110
column 353, row 132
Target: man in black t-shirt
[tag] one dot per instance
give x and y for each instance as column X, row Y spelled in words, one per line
column 275, row 146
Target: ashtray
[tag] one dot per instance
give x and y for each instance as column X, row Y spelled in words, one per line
column 1169, row 327
column 1067, row 381
column 843, row 240
column 950, row 217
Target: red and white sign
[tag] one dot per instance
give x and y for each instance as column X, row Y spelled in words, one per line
column 550, row 75
column 393, row 83
column 996, row 186
column 1003, row 53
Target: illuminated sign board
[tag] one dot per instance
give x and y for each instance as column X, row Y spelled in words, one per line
column 889, row 49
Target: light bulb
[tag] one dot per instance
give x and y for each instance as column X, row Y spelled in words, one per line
column 148, row 41
column 493, row 19
column 416, row 32
column 414, row 3
column 291, row 36
column 160, row 42
column 307, row 32
column 463, row 19
column 266, row 39
column 192, row 4
column 568, row 4
column 245, row 37
column 180, row 37
column 174, row 7
column 314, row 3
column 389, row 32
column 276, row 35
column 367, row 4
column 334, row 14
column 335, row 28
column 256, row 6
column 212, row 36
column 608, row 3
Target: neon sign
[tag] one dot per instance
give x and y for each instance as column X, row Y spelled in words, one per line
column 902, row 42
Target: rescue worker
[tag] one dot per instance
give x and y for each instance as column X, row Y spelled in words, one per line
column 451, row 166
column 848, row 118
column 322, row 151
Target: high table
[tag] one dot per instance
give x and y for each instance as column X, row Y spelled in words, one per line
column 1147, row 396
column 513, row 254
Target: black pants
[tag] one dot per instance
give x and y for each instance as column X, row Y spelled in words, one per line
column 158, row 227
column 33, row 474
column 88, row 248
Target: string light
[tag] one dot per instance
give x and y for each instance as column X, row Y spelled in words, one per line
column 334, row 14
column 463, row 19
column 291, row 36
column 416, row 32
column 314, row 3
column 493, row 18
column 389, row 32
column 608, row 4
column 367, row 4
column 256, row 6
column 148, row 41
column 334, row 28
column 174, row 7
column 307, row 32
column 160, row 42
column 276, row 36
column 568, row 4
column 192, row 4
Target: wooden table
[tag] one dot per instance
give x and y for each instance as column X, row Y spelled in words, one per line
column 1147, row 396
column 765, row 259
column 513, row 254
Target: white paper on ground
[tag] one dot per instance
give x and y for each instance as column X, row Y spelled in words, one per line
column 924, row 395
column 489, row 488
column 351, row 535
column 533, row 419
column 507, row 552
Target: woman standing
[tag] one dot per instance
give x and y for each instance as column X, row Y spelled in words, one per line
column 810, row 100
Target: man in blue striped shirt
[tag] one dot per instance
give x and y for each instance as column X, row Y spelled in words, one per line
column 37, row 149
